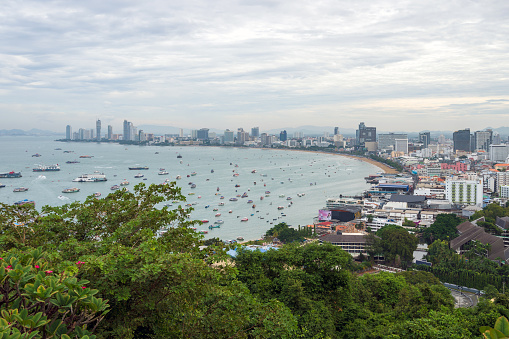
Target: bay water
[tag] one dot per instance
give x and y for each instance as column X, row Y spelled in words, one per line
column 299, row 182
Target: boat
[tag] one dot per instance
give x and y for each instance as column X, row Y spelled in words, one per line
column 240, row 238
column 124, row 183
column 250, row 201
column 233, row 199
column 96, row 177
column 138, row 168
column 244, row 219
column 97, row 194
column 211, row 171
column 218, row 214
column 218, row 222
column 301, row 194
column 193, row 186
column 261, row 198
column 179, row 156
column 139, row 175
column 191, row 193
column 203, row 232
column 72, row 162
column 244, row 195
column 50, row 168
column 230, row 211
column 163, row 173
column 2, row 185
column 253, row 171
column 280, row 207
column 214, row 226
column 235, row 174
column 24, row 202
column 20, row 189
column 221, row 203
column 289, row 198
column 267, row 192
column 11, row 174
column 178, row 177
column 254, row 206
column 193, row 174
column 222, row 197
column 281, row 195
column 71, row 190
column 85, row 156
column 114, row 187
column 36, row 155
column 237, row 185
column 204, row 221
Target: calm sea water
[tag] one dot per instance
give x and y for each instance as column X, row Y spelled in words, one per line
column 281, row 172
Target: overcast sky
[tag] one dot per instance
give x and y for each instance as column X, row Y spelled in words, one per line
column 397, row 65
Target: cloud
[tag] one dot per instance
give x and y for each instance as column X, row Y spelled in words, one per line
column 262, row 62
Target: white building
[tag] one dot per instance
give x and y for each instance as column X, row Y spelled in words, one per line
column 499, row 152
column 464, row 192
column 502, row 179
column 401, row 145
column 504, row 191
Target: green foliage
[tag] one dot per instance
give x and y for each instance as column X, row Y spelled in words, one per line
column 491, row 212
column 396, row 244
column 287, row 234
column 501, row 329
column 38, row 303
column 444, row 228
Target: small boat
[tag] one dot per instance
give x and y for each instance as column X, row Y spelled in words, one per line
column 218, row 222
column 85, row 156
column 235, row 174
column 204, row 232
column 261, row 198
column 207, row 206
column 23, row 202
column 163, row 173
column 72, row 162
column 267, row 192
column 204, row 221
column 179, row 156
column 233, row 199
column 218, row 214
column 124, row 183
column 2, row 185
column 253, row 171
column 114, row 187
column 178, row 177
column 217, row 189
column 20, row 189
column 240, row 238
column 193, row 174
column 281, row 195
column 244, row 219
column 280, row 207
column 97, row 194
column 230, row 211
column 36, row 155
column 214, row 226
column 250, row 201
column 138, row 168
column 139, row 175
column 193, row 186
column 215, row 209
column 71, row 190
column 254, row 206
column 289, row 198
column 222, row 197
column 237, row 185
column 221, row 203
column 191, row 193
column 244, row 195
column 211, row 171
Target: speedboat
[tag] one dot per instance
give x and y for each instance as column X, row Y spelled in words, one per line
column 244, row 219
column 20, row 189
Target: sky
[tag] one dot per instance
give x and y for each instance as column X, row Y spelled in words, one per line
column 397, row 65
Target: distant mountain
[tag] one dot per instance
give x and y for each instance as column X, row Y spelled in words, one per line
column 33, row 131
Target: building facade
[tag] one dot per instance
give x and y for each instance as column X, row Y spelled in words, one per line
column 464, row 192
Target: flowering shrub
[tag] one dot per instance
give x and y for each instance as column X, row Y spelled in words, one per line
column 35, row 302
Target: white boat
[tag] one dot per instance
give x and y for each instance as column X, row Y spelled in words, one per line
column 163, row 173
column 139, row 175
column 71, row 190
column 96, row 177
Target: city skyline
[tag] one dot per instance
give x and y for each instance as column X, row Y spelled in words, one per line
column 397, row 65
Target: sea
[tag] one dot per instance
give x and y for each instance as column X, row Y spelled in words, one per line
column 294, row 184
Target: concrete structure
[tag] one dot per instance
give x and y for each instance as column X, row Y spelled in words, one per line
column 470, row 232
column 202, row 134
column 401, row 145
column 110, row 132
column 464, row 192
column 229, row 137
column 387, row 141
column 425, row 138
column 283, row 136
column 483, row 139
column 504, row 191
column 502, row 180
column 499, row 152
column 255, row 132
column 462, row 140
column 353, row 243
column 365, row 134
column 98, row 130
column 68, row 132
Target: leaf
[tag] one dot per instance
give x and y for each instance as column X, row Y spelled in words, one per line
column 502, row 325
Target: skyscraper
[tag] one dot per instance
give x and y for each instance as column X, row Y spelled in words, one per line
column 283, row 136
column 255, row 132
column 202, row 134
column 483, row 140
column 127, row 131
column 365, row 134
column 98, row 130
column 425, row 138
column 461, row 140
column 229, row 137
column 68, row 132
column 110, row 132
column 336, row 130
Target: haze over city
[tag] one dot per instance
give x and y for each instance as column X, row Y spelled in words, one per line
column 398, row 65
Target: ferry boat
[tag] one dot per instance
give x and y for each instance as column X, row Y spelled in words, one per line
column 20, row 189
column 50, row 168
column 115, row 187
column 96, row 177
column 139, row 175
column 23, row 202
column 138, row 168
column 71, row 190
column 11, row 174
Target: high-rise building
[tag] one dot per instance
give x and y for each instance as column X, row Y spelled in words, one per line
column 194, row 133
column 336, row 130
column 387, row 141
column 462, row 140
column 365, row 134
column 127, row 131
column 142, row 136
column 283, row 136
column 298, row 135
column 181, row 133
column 229, row 137
column 110, row 132
column 441, row 139
column 483, row 140
column 68, row 132
column 202, row 134
column 133, row 134
column 91, row 135
column 401, row 145
column 464, row 192
column 242, row 136
column 425, row 138
column 98, row 130
column 499, row 153
column 255, row 132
